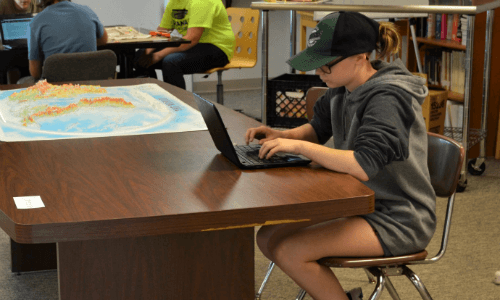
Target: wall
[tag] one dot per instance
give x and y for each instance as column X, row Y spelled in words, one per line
column 127, row 12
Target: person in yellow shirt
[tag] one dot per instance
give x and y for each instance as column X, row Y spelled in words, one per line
column 205, row 23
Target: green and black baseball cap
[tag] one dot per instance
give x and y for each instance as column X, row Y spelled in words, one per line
column 339, row 34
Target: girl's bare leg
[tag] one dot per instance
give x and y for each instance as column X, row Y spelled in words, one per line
column 295, row 249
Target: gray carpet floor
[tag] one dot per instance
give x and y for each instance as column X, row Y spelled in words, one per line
column 466, row 271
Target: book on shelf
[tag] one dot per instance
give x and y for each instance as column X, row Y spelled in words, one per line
column 454, row 30
column 445, row 79
column 431, row 26
column 449, row 26
column 444, row 26
column 437, row 31
column 463, row 29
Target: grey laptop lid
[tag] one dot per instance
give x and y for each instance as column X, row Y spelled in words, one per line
column 15, row 29
column 237, row 154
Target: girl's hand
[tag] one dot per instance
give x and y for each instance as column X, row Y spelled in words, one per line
column 263, row 134
column 269, row 148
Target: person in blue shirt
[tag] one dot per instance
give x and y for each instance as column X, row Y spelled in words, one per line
column 62, row 27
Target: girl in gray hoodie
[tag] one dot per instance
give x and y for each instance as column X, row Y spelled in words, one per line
column 373, row 112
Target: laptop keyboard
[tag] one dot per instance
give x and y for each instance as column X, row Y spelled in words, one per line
column 250, row 155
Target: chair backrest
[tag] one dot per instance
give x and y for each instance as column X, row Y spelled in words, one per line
column 93, row 65
column 445, row 158
column 313, row 94
column 245, row 25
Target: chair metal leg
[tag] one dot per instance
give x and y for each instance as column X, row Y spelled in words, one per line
column 380, row 283
column 220, row 88
column 370, row 276
column 391, row 289
column 261, row 289
column 419, row 285
column 301, row 295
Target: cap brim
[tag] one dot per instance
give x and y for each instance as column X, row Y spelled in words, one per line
column 307, row 60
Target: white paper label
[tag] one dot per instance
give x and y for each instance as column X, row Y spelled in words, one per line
column 28, row 202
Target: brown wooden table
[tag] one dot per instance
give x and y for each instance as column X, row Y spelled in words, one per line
column 159, row 216
column 125, row 49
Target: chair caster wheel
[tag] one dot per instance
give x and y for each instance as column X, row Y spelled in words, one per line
column 461, row 186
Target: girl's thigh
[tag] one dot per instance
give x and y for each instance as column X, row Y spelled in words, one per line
column 351, row 236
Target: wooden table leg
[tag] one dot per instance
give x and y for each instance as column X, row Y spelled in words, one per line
column 32, row 257
column 205, row 265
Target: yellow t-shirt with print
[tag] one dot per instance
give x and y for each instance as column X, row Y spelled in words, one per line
column 209, row 14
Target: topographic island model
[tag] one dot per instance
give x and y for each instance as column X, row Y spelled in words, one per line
column 47, row 111
column 45, row 90
column 54, row 111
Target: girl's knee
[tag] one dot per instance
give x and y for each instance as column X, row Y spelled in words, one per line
column 281, row 251
column 262, row 240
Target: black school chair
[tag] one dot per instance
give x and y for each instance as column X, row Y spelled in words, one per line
column 445, row 157
column 95, row 65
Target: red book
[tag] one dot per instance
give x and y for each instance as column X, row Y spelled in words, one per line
column 454, row 30
column 444, row 27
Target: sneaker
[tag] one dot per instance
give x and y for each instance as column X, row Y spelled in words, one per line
column 355, row 294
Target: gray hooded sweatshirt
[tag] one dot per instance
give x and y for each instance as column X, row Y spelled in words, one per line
column 382, row 122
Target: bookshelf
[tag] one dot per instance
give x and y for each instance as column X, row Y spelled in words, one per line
column 493, row 126
column 475, row 105
column 426, row 44
column 440, row 43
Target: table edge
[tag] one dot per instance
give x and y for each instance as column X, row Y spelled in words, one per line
column 161, row 225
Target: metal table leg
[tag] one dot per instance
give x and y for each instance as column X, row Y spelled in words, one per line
column 468, row 81
column 477, row 166
column 265, row 57
column 293, row 35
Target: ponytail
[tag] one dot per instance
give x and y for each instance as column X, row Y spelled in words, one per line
column 389, row 40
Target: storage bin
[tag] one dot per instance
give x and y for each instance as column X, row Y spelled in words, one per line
column 286, row 99
column 434, row 110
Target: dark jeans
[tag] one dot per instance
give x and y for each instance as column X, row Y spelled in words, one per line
column 198, row 59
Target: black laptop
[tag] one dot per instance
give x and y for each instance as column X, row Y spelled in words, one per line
column 244, row 156
column 15, row 30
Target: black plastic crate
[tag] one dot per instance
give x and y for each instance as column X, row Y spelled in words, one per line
column 286, row 99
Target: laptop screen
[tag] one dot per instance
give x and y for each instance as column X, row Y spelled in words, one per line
column 15, row 29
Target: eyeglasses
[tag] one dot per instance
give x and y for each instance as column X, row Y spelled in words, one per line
column 327, row 69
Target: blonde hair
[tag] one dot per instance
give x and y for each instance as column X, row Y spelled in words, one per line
column 389, row 40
